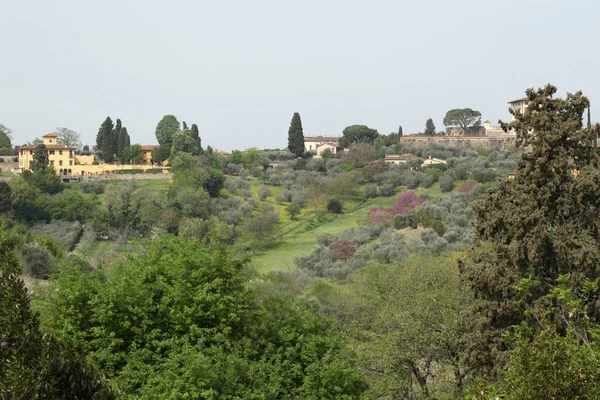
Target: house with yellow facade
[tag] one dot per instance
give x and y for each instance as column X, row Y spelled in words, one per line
column 66, row 162
column 60, row 156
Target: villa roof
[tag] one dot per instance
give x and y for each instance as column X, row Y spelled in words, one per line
column 519, row 100
column 149, row 147
column 50, row 135
column 48, row 146
column 321, row 138
column 400, row 157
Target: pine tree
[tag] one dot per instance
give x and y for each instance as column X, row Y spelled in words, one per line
column 429, row 128
column 296, row 136
column 106, row 143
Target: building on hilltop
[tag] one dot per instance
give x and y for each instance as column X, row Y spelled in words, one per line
column 433, row 161
column 67, row 163
column 59, row 155
column 312, row 142
column 397, row 159
column 326, row 146
column 518, row 105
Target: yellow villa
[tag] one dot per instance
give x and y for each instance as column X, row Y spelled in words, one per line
column 66, row 162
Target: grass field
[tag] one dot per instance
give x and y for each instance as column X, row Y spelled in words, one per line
column 282, row 256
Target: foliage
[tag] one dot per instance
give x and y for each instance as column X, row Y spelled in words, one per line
column 189, row 171
column 429, row 128
column 65, row 233
column 262, row 228
column 296, row 136
column 132, row 154
column 184, row 319
column 5, row 196
column 32, row 364
column 92, row 187
column 294, row 208
column 40, row 158
column 467, row 188
column 264, row 192
column 67, row 137
column 165, row 130
column 357, row 134
column 5, row 137
column 446, row 183
column 462, row 117
column 341, row 250
column 107, row 140
column 334, row 206
column 37, row 261
column 360, row 154
column 44, row 179
column 183, row 142
column 403, row 319
column 543, row 223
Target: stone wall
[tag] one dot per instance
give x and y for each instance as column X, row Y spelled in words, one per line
column 496, row 142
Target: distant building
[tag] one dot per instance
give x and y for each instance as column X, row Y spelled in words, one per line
column 397, row 159
column 59, row 155
column 147, row 152
column 324, row 146
column 433, row 161
column 519, row 105
column 312, row 142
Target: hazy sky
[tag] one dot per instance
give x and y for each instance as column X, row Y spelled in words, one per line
column 239, row 69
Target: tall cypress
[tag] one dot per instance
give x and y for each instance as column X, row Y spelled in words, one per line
column 296, row 136
column 106, row 141
column 196, row 136
column 124, row 142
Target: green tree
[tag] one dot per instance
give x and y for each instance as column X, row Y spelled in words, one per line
column 293, row 208
column 189, row 171
column 357, row 134
column 296, row 136
column 360, row 154
column 32, row 364
column 5, row 194
column 124, row 141
column 195, row 133
column 133, row 154
column 183, row 142
column 68, row 137
column 542, row 224
column 5, row 140
column 404, row 319
column 166, row 129
column 400, row 134
column 429, row 128
column 462, row 117
column 160, row 154
column 40, row 158
column 105, row 141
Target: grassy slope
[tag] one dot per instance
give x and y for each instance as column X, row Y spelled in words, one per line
column 282, row 257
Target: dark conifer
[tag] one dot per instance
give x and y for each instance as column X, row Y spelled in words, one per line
column 296, row 136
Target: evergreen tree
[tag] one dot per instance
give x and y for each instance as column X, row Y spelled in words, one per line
column 196, row 135
column 429, row 128
column 400, row 130
column 184, row 126
column 165, row 129
column 116, row 136
column 40, row 158
column 296, row 136
column 124, row 142
column 104, row 132
column 537, row 227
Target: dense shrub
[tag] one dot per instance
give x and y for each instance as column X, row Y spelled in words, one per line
column 341, row 250
column 334, row 206
column 37, row 261
column 386, row 190
column 264, row 192
column 446, row 183
column 370, row 191
column 92, row 187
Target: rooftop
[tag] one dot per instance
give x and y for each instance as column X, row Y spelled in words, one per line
column 519, row 100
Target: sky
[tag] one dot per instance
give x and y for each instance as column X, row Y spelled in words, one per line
column 239, row 69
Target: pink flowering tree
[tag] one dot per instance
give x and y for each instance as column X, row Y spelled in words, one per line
column 342, row 249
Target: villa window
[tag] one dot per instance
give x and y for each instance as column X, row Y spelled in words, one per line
column 60, row 152
column 60, row 163
column 51, row 152
column 30, row 152
column 52, row 162
column 70, row 162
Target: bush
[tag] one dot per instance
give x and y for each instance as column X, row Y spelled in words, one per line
column 342, row 250
column 67, row 234
column 37, row 261
column 446, row 183
column 386, row 190
column 370, row 191
column 467, row 188
column 263, row 193
column 401, row 221
column 92, row 187
column 334, row 206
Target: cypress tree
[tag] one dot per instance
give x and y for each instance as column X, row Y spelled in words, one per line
column 106, row 131
column 296, row 136
column 184, row 124
column 196, row 136
column 429, row 127
column 400, row 130
column 124, row 142
column 40, row 158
